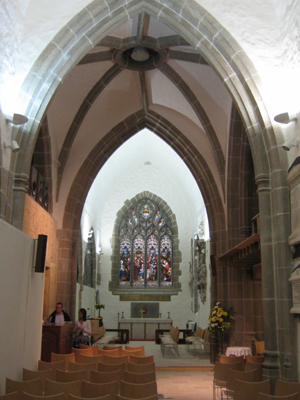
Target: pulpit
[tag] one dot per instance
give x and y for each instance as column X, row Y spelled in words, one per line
column 56, row 338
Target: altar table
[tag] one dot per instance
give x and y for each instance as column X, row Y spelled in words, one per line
column 144, row 328
column 238, row 351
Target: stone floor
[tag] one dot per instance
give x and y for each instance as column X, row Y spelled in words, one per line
column 188, row 377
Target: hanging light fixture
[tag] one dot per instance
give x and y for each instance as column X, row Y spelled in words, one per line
column 140, row 54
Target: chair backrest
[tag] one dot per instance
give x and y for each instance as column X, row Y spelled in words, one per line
column 33, row 387
column 250, row 366
column 83, row 359
column 63, row 357
column 28, row 375
column 73, row 367
column 113, row 348
column 140, row 368
column 11, row 396
column 248, row 376
column 249, row 390
column 94, row 348
column 103, row 377
column 27, row 396
column 138, row 391
column 102, row 367
column 231, row 359
column 111, row 353
column 283, row 387
column 255, row 359
column 260, row 346
column 141, row 360
column 68, row 376
column 67, row 388
column 90, row 389
column 42, row 365
column 106, row 397
column 223, row 371
column 87, row 352
column 119, row 397
column 133, row 377
column 128, row 353
column 206, row 335
column 114, row 360
column 293, row 396
column 137, row 348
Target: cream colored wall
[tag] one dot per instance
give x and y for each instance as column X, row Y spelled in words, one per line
column 38, row 221
column 21, row 299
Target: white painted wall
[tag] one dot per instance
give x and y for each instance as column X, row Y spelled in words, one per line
column 122, row 177
column 21, row 299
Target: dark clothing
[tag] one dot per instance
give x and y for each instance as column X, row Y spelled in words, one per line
column 52, row 317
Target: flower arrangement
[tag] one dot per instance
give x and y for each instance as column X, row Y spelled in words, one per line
column 220, row 319
column 99, row 306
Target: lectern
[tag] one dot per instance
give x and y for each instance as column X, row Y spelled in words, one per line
column 56, row 338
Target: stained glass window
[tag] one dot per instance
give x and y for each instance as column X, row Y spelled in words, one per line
column 145, row 239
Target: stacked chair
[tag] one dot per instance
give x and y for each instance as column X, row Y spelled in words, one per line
column 105, row 374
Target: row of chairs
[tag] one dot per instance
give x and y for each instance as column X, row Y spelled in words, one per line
column 243, row 381
column 248, row 359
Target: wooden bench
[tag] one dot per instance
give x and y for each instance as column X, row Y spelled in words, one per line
column 200, row 340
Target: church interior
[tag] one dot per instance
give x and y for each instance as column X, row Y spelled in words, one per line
column 154, row 145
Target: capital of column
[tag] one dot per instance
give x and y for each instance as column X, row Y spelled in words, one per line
column 263, row 183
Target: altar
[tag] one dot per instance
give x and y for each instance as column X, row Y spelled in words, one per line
column 143, row 328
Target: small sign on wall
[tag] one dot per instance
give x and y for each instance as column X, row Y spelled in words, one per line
column 144, row 310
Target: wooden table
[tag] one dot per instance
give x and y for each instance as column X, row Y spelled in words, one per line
column 238, row 351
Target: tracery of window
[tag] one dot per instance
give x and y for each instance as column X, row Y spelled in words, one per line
column 145, row 239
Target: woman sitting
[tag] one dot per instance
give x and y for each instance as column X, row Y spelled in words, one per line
column 82, row 329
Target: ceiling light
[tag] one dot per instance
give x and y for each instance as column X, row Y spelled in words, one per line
column 140, row 54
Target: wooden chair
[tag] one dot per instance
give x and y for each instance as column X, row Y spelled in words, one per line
column 28, row 375
column 115, row 360
column 141, row 360
column 250, row 366
column 99, row 389
column 221, row 376
column 249, row 390
column 110, row 348
column 138, row 391
column 63, row 357
column 86, row 352
column 103, row 377
column 95, row 348
column 283, row 388
column 293, row 396
column 248, row 376
column 260, row 347
column 53, row 388
column 111, row 353
column 119, row 397
column 74, row 367
column 128, row 353
column 32, row 387
column 44, row 365
column 27, row 396
column 136, row 348
column 83, row 359
column 133, row 377
column 106, row 397
column 68, row 376
column 232, row 359
column 112, row 367
column 11, row 396
column 255, row 359
column 140, row 368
